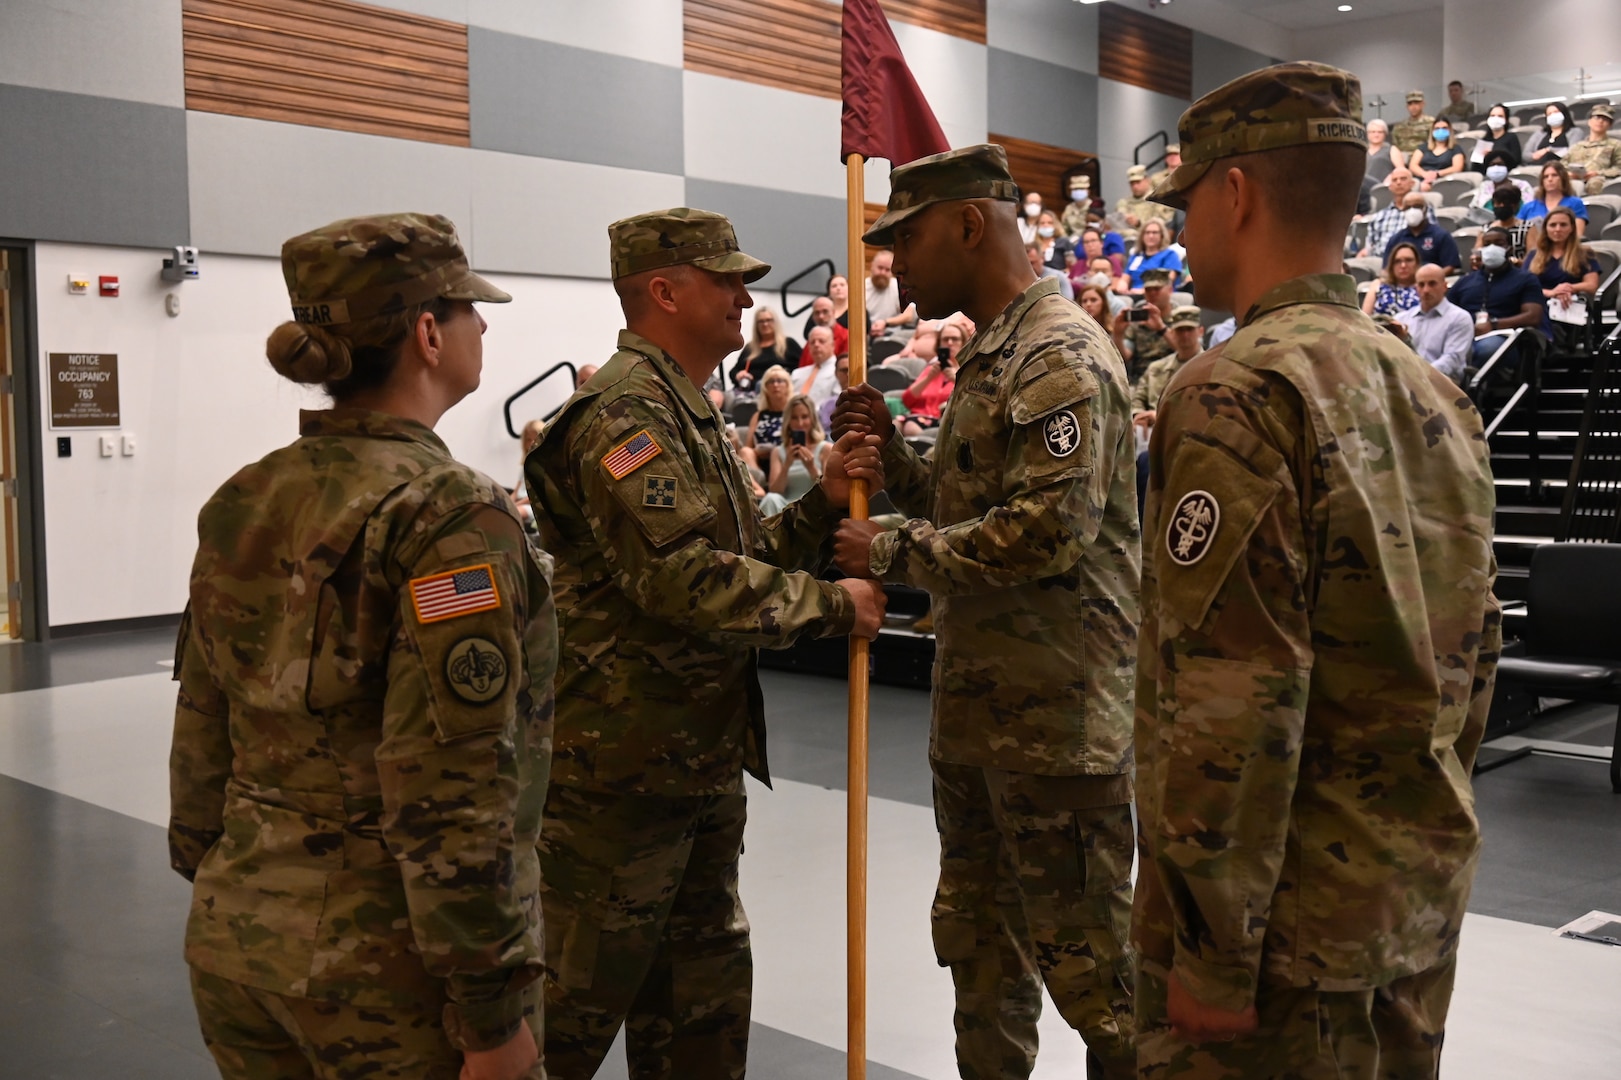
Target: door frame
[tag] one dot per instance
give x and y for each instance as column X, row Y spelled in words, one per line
column 28, row 442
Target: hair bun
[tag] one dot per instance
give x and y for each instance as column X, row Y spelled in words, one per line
column 308, row 354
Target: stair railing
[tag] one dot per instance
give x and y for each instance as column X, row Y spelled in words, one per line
column 1529, row 391
column 506, row 409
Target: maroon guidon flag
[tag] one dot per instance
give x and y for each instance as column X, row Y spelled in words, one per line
column 885, row 114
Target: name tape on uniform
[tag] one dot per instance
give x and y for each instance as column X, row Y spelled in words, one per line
column 454, row 593
column 631, row 455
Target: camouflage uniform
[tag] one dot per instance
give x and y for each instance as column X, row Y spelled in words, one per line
column 1142, row 207
column 1600, row 157
column 1073, row 218
column 667, row 581
column 1146, row 391
column 1318, row 647
column 1159, row 175
column 1029, row 552
column 363, row 729
column 1410, row 134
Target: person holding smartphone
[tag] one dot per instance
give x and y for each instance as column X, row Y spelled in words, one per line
column 796, row 465
column 927, row 396
column 1139, row 332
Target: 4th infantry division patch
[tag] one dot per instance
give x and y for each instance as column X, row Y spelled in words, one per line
column 454, row 593
column 658, row 491
column 631, row 455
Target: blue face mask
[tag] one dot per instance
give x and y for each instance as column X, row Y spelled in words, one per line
column 1442, row 134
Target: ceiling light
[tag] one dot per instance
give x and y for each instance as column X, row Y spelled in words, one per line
column 1343, row 7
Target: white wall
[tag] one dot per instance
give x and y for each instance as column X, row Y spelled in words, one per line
column 1492, row 39
column 1391, row 56
column 1126, row 116
column 1062, row 34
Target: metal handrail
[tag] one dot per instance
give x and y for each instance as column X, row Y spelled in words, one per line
column 1595, row 310
column 832, row 269
column 1137, row 151
column 1532, row 387
column 1491, row 428
column 506, row 409
column 1509, row 338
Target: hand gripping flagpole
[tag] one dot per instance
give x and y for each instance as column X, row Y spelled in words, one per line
column 856, row 846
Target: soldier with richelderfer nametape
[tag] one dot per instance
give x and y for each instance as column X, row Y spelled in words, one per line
column 362, row 737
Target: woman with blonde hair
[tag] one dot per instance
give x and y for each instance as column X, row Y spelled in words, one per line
column 797, row 462
column 1568, row 273
column 767, row 347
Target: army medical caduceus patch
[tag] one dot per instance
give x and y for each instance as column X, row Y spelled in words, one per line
column 1193, row 527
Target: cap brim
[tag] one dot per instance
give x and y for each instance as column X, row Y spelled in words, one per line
column 735, row 262
column 1173, row 190
column 474, row 288
column 882, row 233
column 1185, row 322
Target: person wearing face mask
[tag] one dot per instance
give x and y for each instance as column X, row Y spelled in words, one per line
column 1435, row 245
column 1438, row 157
column 1497, row 167
column 1075, row 215
column 1032, row 211
column 1596, row 158
column 1499, row 295
column 1506, row 208
column 1498, row 139
column 1044, row 270
column 1057, row 252
column 1388, row 222
column 1553, row 141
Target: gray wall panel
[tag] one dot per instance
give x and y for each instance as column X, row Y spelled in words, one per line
column 92, row 170
column 556, row 101
column 127, row 49
column 788, row 231
column 1032, row 99
column 1216, row 62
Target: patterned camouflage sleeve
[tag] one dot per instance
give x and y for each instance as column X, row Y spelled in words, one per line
column 1235, row 641
column 906, row 478
column 1480, row 694
column 199, row 757
column 661, row 556
column 452, row 769
column 796, row 539
column 1053, row 513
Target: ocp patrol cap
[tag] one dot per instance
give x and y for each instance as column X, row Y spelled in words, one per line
column 1186, row 315
column 1414, row 96
column 973, row 172
column 680, row 236
column 362, row 267
column 1294, row 104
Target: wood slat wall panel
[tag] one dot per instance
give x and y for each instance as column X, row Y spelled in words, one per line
column 328, row 63
column 1045, row 168
column 1140, row 50
column 794, row 44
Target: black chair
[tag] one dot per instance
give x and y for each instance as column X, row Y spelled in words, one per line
column 885, row 379
column 1573, row 630
column 743, row 412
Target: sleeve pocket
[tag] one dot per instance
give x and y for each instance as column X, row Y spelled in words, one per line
column 1212, row 504
column 664, row 503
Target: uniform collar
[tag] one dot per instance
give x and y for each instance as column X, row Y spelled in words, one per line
column 366, row 424
column 990, row 338
column 1309, row 289
column 696, row 401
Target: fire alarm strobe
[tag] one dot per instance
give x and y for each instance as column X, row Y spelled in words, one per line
column 109, row 286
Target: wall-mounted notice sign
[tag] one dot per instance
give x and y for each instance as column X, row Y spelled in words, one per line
column 84, row 389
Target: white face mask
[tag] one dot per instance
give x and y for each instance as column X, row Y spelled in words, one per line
column 1496, row 123
column 1044, row 231
column 1497, row 173
column 1101, row 280
column 1079, row 194
column 1032, row 209
column 1414, row 216
column 1492, row 256
column 1556, row 119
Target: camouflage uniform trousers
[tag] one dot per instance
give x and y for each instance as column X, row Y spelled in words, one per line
column 259, row 1035
column 1392, row 1033
column 1034, row 887
column 644, row 928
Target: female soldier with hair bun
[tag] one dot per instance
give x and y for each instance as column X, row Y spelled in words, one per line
column 363, row 732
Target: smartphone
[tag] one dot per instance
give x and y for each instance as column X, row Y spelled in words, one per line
column 1137, row 314
column 943, row 355
column 798, row 438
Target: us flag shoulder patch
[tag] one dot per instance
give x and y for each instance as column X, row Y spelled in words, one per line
column 453, row 593
column 631, row 455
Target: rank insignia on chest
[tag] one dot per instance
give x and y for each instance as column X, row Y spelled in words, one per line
column 658, row 491
column 454, row 593
column 1193, row 527
column 631, row 455
column 1062, row 433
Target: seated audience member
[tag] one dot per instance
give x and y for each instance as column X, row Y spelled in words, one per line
column 1094, row 300
column 1437, row 329
column 918, row 351
column 1500, row 295
column 822, row 314
column 1597, row 158
column 1073, row 219
column 1090, row 245
column 1056, row 249
column 1133, row 210
column 1222, row 331
column 528, row 439
column 1554, row 190
column 926, row 399
column 797, row 462
column 890, row 325
column 1438, row 157
column 1497, row 167
column 1497, row 140
column 1114, row 245
column 841, row 375
column 767, row 347
column 1433, row 243
column 1032, row 212
column 1044, row 270
column 1117, row 286
column 1409, row 134
column 1383, row 157
column 1568, row 275
column 1394, row 291
column 765, row 426
column 1392, row 219
column 1173, row 161
column 1506, row 214
column 1553, row 141
column 1184, row 333
column 1151, row 253
column 815, row 378
column 1139, row 332
column 1458, row 109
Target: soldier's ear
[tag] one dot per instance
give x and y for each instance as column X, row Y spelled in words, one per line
column 971, row 223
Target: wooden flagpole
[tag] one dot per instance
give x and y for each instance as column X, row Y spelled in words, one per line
column 856, row 851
